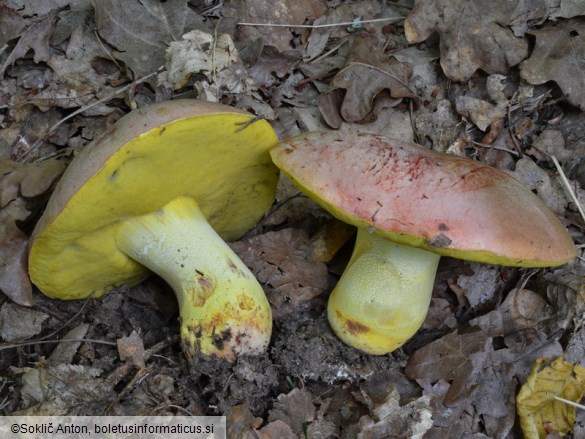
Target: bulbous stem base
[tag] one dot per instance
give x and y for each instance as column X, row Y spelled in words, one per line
column 224, row 311
column 383, row 296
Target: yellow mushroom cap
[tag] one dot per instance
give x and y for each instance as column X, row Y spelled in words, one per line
column 209, row 152
column 414, row 196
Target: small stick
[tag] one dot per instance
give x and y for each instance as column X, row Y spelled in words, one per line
column 320, row 26
column 501, row 148
column 568, row 401
column 567, row 187
column 32, row 343
column 329, row 52
column 121, row 371
column 64, row 325
column 41, row 140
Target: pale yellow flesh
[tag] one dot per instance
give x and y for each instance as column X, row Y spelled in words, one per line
column 383, row 296
column 224, row 311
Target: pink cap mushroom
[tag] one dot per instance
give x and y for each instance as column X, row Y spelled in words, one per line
column 411, row 206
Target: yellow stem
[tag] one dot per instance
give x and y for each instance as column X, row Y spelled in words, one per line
column 224, row 311
column 384, row 294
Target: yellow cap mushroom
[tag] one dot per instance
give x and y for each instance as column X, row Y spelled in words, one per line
column 411, row 206
column 160, row 191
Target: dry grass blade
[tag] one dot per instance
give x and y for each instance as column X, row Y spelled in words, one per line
column 568, row 188
column 35, row 146
column 320, row 26
column 567, row 401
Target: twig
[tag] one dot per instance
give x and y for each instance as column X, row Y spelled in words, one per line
column 512, row 134
column 31, row 343
column 121, row 371
column 136, row 379
column 59, row 153
column 104, row 48
column 329, row 52
column 212, row 10
column 320, row 26
column 171, row 406
column 567, row 187
column 64, row 325
column 568, row 401
column 213, row 65
column 41, row 140
column 501, row 148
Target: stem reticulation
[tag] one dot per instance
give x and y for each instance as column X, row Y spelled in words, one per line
column 384, row 294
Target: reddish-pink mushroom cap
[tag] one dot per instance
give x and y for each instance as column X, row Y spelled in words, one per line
column 411, row 205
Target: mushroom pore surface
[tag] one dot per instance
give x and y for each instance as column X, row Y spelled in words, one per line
column 150, row 157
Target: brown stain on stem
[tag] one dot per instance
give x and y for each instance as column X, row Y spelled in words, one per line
column 352, row 327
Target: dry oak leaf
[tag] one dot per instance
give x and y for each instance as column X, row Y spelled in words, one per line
column 389, row 419
column 17, row 182
column 282, row 261
column 131, row 349
column 19, row 323
column 474, row 34
column 63, row 389
column 440, row 125
column 454, row 357
column 284, row 39
column 295, row 409
column 535, row 401
column 342, row 13
column 567, row 9
column 241, row 423
column 214, row 60
column 366, row 74
column 36, row 38
column 28, row 180
column 75, row 82
column 481, row 113
column 33, row 8
column 11, row 24
column 14, row 280
column 558, row 57
column 276, row 430
column 141, row 29
column 565, row 293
